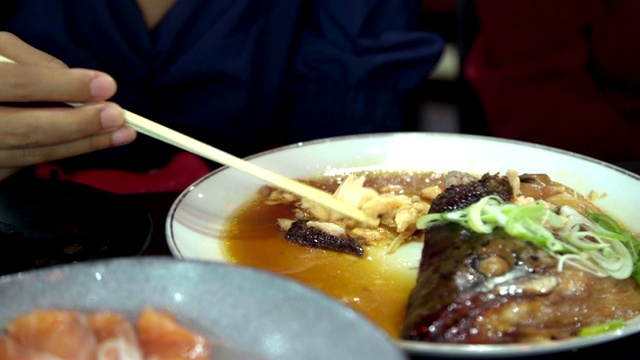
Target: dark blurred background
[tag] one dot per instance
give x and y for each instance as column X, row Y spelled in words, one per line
column 445, row 102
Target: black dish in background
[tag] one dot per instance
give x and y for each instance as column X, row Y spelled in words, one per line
column 47, row 222
column 633, row 166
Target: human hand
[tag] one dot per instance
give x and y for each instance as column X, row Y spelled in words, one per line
column 33, row 135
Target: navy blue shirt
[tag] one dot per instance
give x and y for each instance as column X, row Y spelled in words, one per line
column 241, row 75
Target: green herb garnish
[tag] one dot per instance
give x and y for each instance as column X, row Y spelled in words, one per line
column 601, row 328
column 595, row 243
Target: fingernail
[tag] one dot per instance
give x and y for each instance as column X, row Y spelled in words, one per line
column 102, row 87
column 111, row 117
column 123, row 136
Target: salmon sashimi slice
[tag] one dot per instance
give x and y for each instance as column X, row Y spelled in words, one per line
column 65, row 334
column 11, row 350
column 116, row 336
column 162, row 337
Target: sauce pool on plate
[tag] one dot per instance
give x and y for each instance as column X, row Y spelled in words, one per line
column 377, row 284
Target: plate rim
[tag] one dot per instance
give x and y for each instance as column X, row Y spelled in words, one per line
column 100, row 270
column 445, row 349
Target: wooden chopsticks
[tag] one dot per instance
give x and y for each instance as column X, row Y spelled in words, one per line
column 170, row 136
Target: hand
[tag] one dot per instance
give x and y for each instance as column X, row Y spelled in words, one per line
column 30, row 135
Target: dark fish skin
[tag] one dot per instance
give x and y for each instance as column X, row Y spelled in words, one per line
column 493, row 288
column 464, row 274
column 301, row 234
column 459, row 196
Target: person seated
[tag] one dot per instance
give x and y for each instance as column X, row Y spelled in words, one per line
column 560, row 73
column 243, row 76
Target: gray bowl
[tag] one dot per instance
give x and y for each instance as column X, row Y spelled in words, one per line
column 245, row 312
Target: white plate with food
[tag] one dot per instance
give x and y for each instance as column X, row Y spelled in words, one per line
column 162, row 307
column 231, row 217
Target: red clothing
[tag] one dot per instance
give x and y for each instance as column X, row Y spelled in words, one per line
column 182, row 171
column 561, row 73
column 231, row 73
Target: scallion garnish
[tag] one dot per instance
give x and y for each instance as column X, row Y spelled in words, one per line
column 601, row 328
column 595, row 243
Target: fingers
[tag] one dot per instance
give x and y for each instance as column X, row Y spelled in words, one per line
column 12, row 160
column 18, row 158
column 30, row 135
column 26, row 83
column 6, row 172
column 38, row 76
column 17, row 50
column 35, row 127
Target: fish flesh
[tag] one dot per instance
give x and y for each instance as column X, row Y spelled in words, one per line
column 58, row 334
column 491, row 288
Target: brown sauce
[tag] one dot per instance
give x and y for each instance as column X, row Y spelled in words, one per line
column 376, row 285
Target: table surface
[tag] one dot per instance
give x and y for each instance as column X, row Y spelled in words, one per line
column 158, row 205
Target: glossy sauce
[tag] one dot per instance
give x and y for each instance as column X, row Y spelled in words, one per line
column 377, row 285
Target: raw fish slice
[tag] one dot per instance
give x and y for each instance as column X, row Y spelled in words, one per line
column 10, row 350
column 162, row 337
column 65, row 334
column 116, row 336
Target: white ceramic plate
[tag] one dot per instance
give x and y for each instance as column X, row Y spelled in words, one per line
column 245, row 313
column 197, row 217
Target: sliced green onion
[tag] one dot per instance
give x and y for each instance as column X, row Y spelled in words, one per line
column 601, row 328
column 595, row 243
